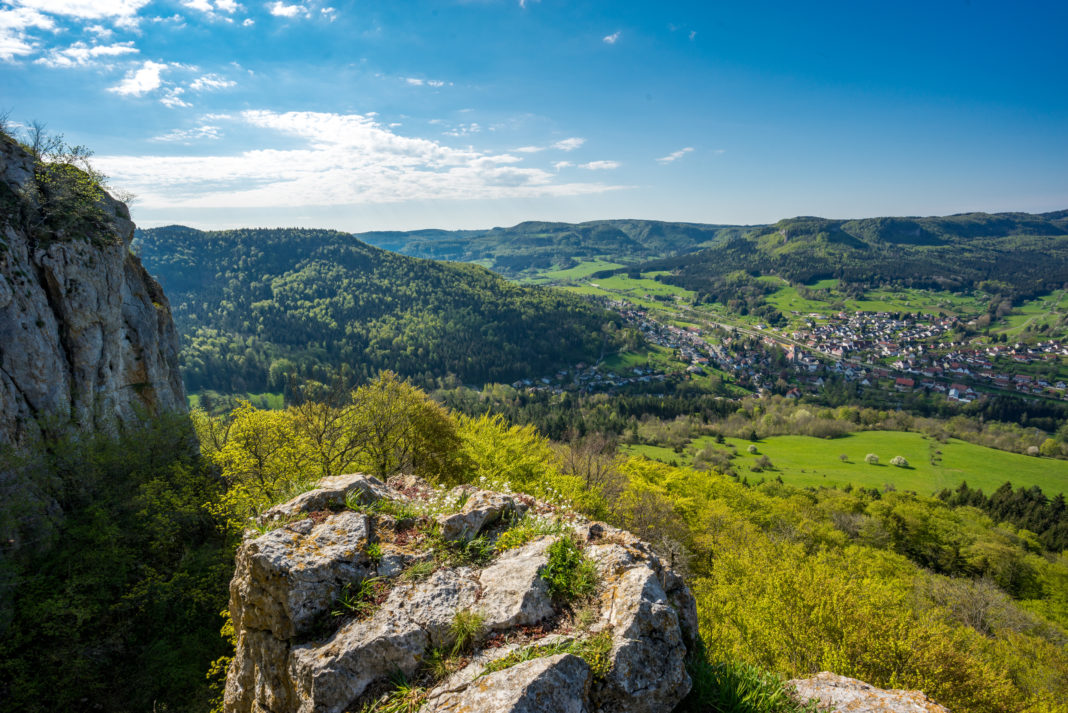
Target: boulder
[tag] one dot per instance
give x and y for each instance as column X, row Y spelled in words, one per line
column 648, row 671
column 838, row 694
column 327, row 678
column 513, row 592
column 481, row 508
column 292, row 657
column 331, row 493
column 552, row 683
column 287, row 579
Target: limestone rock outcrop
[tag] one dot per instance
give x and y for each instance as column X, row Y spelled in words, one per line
column 838, row 694
column 360, row 582
column 85, row 332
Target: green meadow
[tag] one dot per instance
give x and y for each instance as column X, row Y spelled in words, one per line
column 806, row 461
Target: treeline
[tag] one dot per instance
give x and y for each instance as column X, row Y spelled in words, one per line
column 542, row 245
column 893, row 588
column 1027, row 508
column 1020, row 255
column 259, row 309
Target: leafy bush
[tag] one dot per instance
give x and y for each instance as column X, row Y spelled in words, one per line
column 899, row 461
column 871, row 459
column 569, row 574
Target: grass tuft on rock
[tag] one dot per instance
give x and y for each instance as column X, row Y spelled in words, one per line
column 569, row 573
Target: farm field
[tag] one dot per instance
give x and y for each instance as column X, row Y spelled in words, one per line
column 806, row 461
column 584, row 269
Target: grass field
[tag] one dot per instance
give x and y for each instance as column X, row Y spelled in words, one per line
column 805, row 461
column 1050, row 309
column 582, row 270
column 787, row 299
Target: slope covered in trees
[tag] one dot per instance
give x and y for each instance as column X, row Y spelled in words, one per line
column 1014, row 255
column 541, row 245
column 256, row 306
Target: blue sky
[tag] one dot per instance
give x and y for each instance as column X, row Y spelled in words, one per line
column 475, row 113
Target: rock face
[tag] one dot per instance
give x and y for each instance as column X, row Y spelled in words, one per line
column 85, row 332
column 838, row 694
column 335, row 603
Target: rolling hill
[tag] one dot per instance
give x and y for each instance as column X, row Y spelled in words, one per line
column 256, row 306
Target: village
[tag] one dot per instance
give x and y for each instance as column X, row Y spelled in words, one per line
column 873, row 350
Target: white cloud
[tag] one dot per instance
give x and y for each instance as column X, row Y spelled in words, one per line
column 675, row 155
column 329, row 13
column 213, row 7
column 14, row 41
column 100, row 31
column 523, row 3
column 569, row 144
column 172, row 99
column 81, row 55
column 562, row 164
column 280, row 9
column 249, row 22
column 599, row 165
column 612, row 38
column 209, row 82
column 187, row 136
column 141, row 81
column 123, row 12
column 529, row 149
column 346, row 159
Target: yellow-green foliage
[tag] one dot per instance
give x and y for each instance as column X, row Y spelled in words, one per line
column 895, row 589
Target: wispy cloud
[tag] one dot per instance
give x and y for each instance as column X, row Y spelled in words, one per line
column 188, row 136
column 675, row 155
column 81, row 55
column 612, row 38
column 562, row 164
column 172, row 99
column 465, row 129
column 346, row 159
column 419, row 82
column 569, row 144
column 210, row 82
column 600, row 165
column 141, row 81
column 122, row 12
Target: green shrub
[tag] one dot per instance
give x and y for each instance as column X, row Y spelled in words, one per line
column 569, row 573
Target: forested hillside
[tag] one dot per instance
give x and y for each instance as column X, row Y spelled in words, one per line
column 1011, row 254
column 257, row 306
column 542, row 245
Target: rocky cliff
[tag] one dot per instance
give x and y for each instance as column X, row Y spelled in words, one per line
column 86, row 335
column 361, row 585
